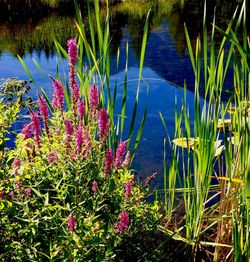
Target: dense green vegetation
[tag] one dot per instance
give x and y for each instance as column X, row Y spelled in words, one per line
column 68, row 192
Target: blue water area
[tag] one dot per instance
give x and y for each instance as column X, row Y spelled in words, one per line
column 162, row 96
column 166, row 66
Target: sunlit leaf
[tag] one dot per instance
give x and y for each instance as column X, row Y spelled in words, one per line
column 219, row 150
column 185, row 142
column 235, row 180
column 224, row 123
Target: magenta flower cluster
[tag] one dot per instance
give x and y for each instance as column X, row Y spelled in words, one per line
column 94, row 186
column 127, row 160
column 81, row 109
column 71, row 223
column 44, row 111
column 79, row 139
column 35, row 127
column 58, row 96
column 103, row 124
column 120, row 152
column 72, row 54
column 76, row 136
column 108, row 162
column 123, row 223
column 28, row 191
column 53, row 157
column 72, row 51
column 128, row 189
column 26, row 131
column 93, row 97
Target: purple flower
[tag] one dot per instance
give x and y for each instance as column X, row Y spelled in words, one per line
column 108, row 162
column 103, row 124
column 79, row 139
column 87, row 142
column 68, row 126
column 93, row 97
column 81, row 108
column 53, row 157
column 126, row 162
column 12, row 194
column 36, row 127
column 69, row 131
column 28, row 191
column 17, row 163
column 75, row 95
column 94, row 186
column 128, row 189
column 123, row 223
column 19, row 184
column 26, row 131
column 72, row 54
column 44, row 111
column 72, row 51
column 71, row 223
column 120, row 151
column 58, row 95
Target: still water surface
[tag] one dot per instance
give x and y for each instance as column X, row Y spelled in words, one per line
column 166, row 62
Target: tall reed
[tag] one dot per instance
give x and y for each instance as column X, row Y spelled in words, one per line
column 214, row 155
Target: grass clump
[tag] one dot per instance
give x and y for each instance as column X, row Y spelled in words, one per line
column 211, row 155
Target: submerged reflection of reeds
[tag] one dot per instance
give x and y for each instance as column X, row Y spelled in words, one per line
column 26, row 34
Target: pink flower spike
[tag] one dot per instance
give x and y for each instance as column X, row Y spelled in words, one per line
column 71, row 223
column 12, row 194
column 72, row 54
column 53, row 157
column 75, row 95
column 88, row 142
column 44, row 111
column 120, row 151
column 94, row 186
column 36, row 127
column 16, row 164
column 103, row 124
column 69, row 131
column 128, row 189
column 108, row 162
column 58, row 96
column 93, row 97
column 127, row 160
column 81, row 108
column 123, row 223
column 68, row 126
column 72, row 51
column 26, row 131
column 79, row 139
column 27, row 192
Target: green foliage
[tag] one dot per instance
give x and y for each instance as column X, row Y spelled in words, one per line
column 214, row 151
column 11, row 93
column 58, row 200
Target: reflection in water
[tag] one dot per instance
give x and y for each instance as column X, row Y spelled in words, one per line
column 25, row 35
column 35, row 34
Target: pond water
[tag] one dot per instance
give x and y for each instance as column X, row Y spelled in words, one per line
column 166, row 62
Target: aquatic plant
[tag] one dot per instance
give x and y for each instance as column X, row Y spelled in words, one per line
column 211, row 156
